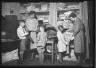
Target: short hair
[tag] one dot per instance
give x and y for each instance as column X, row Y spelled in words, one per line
column 40, row 22
column 32, row 12
column 73, row 15
column 21, row 21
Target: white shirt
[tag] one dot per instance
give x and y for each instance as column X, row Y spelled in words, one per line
column 41, row 39
column 21, row 32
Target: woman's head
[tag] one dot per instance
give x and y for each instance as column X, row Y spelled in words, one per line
column 32, row 14
column 72, row 16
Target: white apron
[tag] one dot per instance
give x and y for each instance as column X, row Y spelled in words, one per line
column 61, row 45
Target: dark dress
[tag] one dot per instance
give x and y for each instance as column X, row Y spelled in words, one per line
column 79, row 33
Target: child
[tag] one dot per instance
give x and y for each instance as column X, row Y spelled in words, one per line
column 22, row 33
column 41, row 42
column 61, row 42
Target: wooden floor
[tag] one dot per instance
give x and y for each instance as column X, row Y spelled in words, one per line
column 47, row 62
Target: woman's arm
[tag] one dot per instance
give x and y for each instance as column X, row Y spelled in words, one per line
column 76, row 28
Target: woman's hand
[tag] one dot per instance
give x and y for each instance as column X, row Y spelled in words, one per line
column 72, row 38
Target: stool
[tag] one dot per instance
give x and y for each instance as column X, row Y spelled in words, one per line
column 53, row 53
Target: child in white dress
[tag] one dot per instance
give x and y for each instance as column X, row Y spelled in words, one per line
column 61, row 42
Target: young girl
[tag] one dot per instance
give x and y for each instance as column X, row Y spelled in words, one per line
column 61, row 42
column 41, row 41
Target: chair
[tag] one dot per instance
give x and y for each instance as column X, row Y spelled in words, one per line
column 53, row 53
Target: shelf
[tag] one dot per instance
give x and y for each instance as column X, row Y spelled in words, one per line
column 68, row 9
column 62, row 11
column 23, row 13
column 40, row 3
column 42, row 11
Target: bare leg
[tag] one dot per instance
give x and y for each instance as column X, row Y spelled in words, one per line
column 67, row 49
column 32, row 56
column 60, row 57
column 21, row 55
column 42, row 56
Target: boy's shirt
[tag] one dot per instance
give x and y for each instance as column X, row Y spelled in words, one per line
column 21, row 32
column 41, row 39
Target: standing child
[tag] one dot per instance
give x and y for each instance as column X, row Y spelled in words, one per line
column 41, row 42
column 22, row 33
column 61, row 43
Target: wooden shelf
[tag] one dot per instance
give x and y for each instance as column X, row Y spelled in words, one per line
column 62, row 11
column 42, row 11
column 69, row 10
column 23, row 13
column 40, row 3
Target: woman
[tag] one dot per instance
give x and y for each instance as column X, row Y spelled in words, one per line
column 79, row 37
column 31, row 24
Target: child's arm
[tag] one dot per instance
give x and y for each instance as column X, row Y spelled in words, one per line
column 37, row 38
column 22, row 34
column 18, row 34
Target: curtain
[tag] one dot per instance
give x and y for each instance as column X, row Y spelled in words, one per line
column 84, row 18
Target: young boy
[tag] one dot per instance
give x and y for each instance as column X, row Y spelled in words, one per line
column 41, row 42
column 22, row 33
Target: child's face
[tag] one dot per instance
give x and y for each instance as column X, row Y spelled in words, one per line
column 32, row 16
column 41, row 29
column 22, row 24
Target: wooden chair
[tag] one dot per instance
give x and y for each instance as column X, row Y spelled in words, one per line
column 53, row 53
